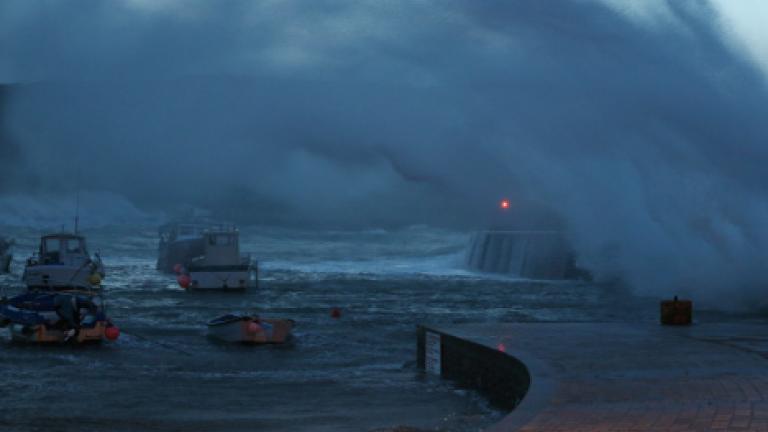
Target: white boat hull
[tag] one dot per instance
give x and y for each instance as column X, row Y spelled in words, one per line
column 57, row 276
column 222, row 279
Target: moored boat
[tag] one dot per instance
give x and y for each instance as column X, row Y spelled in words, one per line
column 179, row 243
column 220, row 266
column 56, row 317
column 63, row 263
column 248, row 329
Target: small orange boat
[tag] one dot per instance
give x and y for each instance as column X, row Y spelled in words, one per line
column 247, row 329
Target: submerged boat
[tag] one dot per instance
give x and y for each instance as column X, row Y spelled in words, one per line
column 56, row 317
column 247, row 329
column 63, row 263
column 5, row 254
column 219, row 266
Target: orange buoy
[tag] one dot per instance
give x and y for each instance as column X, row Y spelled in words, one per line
column 253, row 327
column 335, row 313
column 112, row 333
column 184, row 280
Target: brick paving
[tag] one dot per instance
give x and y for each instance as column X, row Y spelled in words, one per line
column 621, row 377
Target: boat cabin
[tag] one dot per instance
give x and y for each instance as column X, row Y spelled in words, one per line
column 181, row 231
column 62, row 249
column 222, row 247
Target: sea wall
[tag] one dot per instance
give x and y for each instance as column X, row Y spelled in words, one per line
column 528, row 254
column 500, row 377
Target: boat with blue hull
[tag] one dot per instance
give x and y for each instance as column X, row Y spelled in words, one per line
column 57, row 317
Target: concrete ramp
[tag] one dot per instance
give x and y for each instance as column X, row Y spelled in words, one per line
column 613, row 377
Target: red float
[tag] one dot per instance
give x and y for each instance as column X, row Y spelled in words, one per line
column 253, row 327
column 112, row 333
column 335, row 313
column 178, row 268
column 184, row 280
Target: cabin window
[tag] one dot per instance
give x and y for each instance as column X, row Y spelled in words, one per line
column 52, row 245
column 74, row 246
column 51, row 253
column 221, row 240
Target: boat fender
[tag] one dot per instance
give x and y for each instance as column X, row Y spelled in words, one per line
column 112, row 332
column 253, row 327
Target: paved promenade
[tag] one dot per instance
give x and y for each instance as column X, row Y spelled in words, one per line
column 624, row 377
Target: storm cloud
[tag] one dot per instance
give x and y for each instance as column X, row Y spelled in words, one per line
column 643, row 133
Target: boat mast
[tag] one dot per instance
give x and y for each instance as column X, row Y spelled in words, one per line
column 77, row 210
column 77, row 203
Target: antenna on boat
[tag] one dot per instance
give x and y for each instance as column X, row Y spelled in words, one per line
column 77, row 203
column 77, row 211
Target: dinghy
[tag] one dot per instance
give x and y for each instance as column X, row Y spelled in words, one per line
column 57, row 317
column 247, row 329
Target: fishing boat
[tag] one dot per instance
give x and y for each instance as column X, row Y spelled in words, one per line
column 57, row 317
column 248, row 329
column 5, row 254
column 62, row 262
column 180, row 241
column 220, row 265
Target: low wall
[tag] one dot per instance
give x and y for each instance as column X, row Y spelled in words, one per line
column 500, row 377
column 528, row 254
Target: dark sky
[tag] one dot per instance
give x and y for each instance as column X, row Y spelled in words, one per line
column 645, row 136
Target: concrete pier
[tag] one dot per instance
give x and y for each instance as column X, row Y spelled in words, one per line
column 528, row 254
column 609, row 376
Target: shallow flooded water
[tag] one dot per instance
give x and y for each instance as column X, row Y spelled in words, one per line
column 356, row 373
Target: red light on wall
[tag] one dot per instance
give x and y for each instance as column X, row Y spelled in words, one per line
column 504, row 204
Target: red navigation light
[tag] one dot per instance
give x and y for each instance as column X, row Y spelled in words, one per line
column 504, row 204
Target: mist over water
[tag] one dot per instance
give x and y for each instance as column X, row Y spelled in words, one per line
column 642, row 131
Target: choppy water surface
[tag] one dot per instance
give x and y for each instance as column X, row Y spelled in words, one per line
column 357, row 373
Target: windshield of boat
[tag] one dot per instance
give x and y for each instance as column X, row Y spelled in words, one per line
column 221, row 240
column 188, row 231
column 75, row 246
column 52, row 245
